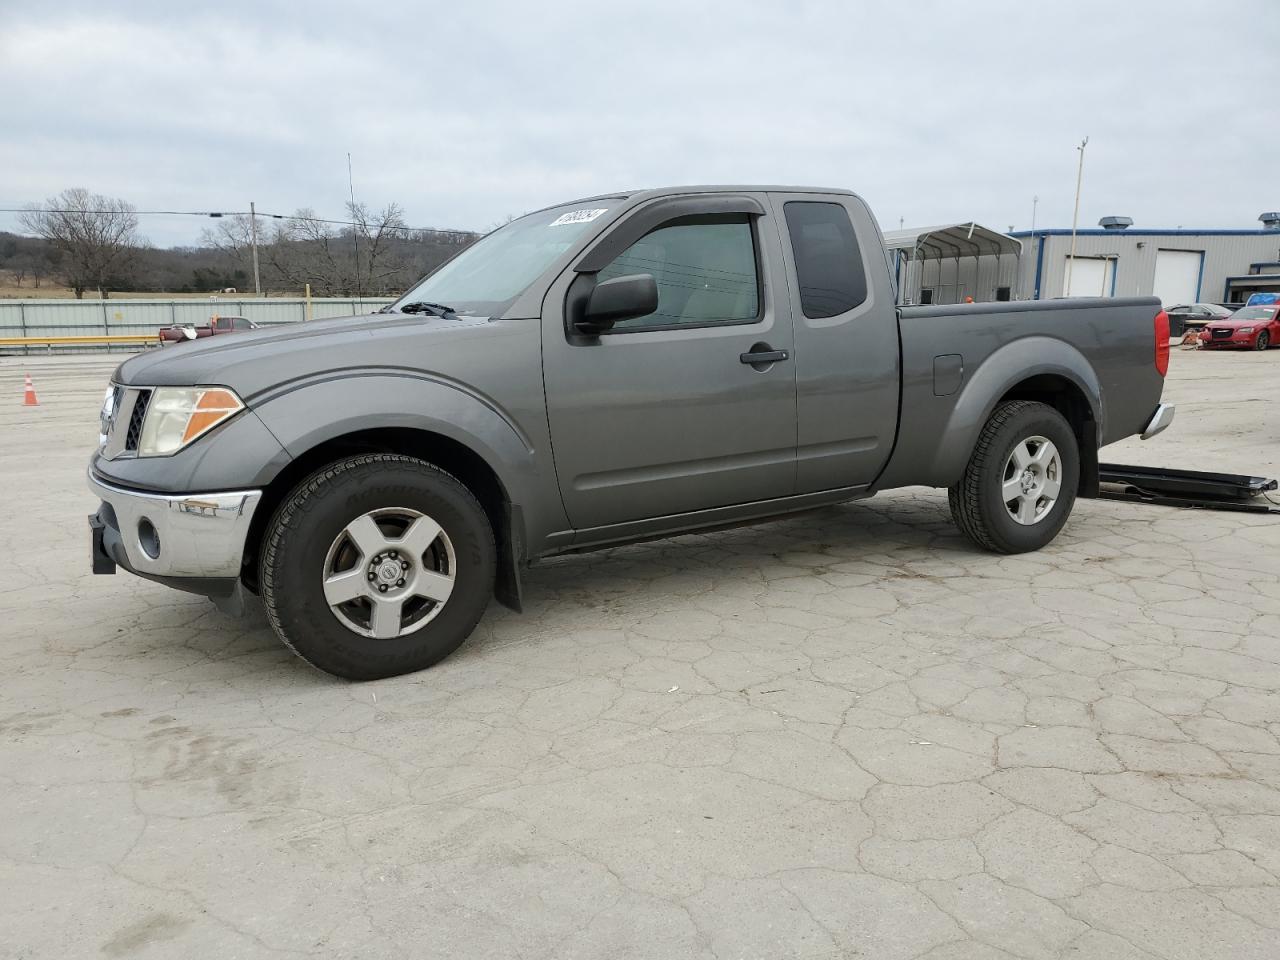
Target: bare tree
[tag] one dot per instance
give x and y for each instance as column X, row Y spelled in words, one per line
column 97, row 236
column 305, row 250
column 231, row 236
column 382, row 266
column 375, row 253
column 360, row 258
column 35, row 264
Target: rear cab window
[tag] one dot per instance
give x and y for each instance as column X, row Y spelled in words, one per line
column 828, row 260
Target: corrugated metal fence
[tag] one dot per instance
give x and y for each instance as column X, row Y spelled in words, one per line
column 59, row 318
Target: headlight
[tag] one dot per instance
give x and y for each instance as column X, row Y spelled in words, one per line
column 178, row 415
column 1245, row 330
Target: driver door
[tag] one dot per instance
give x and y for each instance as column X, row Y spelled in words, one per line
column 666, row 414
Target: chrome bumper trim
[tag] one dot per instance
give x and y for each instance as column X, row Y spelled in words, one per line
column 1159, row 420
column 200, row 534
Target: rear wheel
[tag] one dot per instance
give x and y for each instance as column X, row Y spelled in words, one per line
column 1263, row 341
column 1020, row 483
column 377, row 565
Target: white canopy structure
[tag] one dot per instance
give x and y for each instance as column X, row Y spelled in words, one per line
column 921, row 256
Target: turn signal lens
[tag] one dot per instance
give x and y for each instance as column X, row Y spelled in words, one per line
column 178, row 415
column 212, row 408
column 1162, row 343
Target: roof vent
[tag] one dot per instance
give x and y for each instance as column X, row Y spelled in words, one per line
column 1115, row 223
column 1270, row 221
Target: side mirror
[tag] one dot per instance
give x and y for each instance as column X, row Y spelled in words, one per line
column 618, row 299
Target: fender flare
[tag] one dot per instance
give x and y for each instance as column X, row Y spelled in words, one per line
column 382, row 399
column 360, row 400
column 998, row 374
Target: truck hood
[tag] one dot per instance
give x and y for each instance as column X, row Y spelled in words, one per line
column 258, row 360
column 1230, row 323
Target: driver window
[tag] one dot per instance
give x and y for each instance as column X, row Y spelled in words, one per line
column 705, row 269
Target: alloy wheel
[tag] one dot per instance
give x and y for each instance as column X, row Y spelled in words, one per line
column 1031, row 480
column 389, row 572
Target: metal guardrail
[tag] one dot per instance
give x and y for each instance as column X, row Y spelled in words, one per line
column 90, row 340
column 44, row 319
column 87, row 340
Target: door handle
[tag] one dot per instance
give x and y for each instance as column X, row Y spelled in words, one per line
column 762, row 354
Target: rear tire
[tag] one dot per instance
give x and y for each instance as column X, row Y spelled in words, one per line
column 1020, row 483
column 377, row 565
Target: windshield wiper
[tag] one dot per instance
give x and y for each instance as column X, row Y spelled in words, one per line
column 435, row 309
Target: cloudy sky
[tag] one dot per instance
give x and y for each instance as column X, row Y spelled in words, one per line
column 471, row 111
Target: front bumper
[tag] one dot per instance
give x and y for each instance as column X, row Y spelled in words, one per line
column 1235, row 340
column 192, row 541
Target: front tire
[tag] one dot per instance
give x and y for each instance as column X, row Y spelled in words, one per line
column 1020, row 483
column 1263, row 341
column 377, row 565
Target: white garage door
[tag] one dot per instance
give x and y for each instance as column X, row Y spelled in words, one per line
column 1090, row 277
column 1177, row 276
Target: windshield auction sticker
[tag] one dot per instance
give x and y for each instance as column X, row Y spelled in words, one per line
column 578, row 216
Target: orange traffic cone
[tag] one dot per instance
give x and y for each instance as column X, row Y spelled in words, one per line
column 29, row 398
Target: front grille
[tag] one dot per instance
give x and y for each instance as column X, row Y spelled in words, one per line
column 1220, row 334
column 135, row 421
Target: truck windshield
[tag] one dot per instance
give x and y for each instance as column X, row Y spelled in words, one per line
column 492, row 272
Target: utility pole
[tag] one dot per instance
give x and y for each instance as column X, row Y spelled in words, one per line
column 253, row 240
column 1075, row 216
column 355, row 227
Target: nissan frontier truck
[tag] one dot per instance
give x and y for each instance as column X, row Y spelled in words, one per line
column 626, row 367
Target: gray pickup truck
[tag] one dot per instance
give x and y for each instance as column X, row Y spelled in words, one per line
column 615, row 369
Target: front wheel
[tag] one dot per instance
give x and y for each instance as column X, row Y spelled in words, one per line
column 1263, row 341
column 1020, row 483
column 377, row 565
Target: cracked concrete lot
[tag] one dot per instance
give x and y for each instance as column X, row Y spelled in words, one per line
column 848, row 734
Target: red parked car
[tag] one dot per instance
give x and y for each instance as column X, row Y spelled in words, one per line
column 1254, row 328
column 215, row 326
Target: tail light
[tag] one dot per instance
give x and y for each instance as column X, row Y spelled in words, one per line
column 1162, row 343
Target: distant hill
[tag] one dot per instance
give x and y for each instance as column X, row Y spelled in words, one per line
column 30, row 267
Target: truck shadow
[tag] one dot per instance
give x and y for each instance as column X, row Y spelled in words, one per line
column 905, row 534
column 909, row 525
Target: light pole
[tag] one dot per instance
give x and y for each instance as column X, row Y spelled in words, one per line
column 253, row 242
column 1035, row 201
column 1075, row 216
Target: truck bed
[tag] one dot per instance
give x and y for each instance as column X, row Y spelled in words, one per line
column 958, row 361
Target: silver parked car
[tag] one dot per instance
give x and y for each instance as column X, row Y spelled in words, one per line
column 1195, row 315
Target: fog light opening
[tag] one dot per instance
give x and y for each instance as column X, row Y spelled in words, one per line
column 148, row 538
